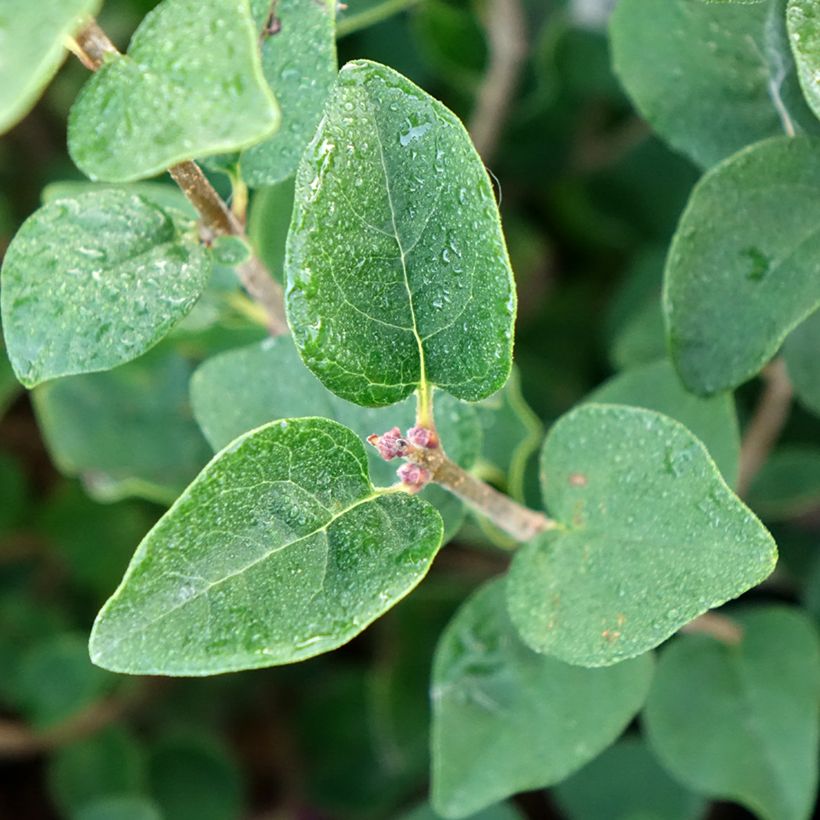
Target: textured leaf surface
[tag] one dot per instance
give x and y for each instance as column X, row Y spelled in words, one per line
column 650, row 538
column 802, row 354
column 30, row 52
column 742, row 269
column 281, row 549
column 93, row 281
column 721, row 79
column 657, row 387
column 740, row 722
column 191, row 85
column 398, row 275
column 803, row 21
column 626, row 783
column 248, row 387
column 506, row 719
column 299, row 62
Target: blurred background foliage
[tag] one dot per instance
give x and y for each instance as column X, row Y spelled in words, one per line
column 589, row 200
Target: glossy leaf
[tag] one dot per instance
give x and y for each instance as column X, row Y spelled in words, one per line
column 299, row 62
column 506, row 719
column 742, row 269
column 803, row 362
column 657, row 387
column 398, row 276
column 803, row 21
column 247, row 387
column 191, row 85
column 788, row 484
column 30, row 52
column 740, row 722
column 94, row 281
column 721, row 76
column 626, row 783
column 650, row 537
column 294, row 553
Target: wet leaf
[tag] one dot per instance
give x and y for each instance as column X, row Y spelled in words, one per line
column 191, row 85
column 93, row 281
column 506, row 719
column 32, row 52
column 752, row 707
column 250, row 386
column 281, row 549
column 398, row 276
column 742, row 269
column 650, row 537
column 299, row 62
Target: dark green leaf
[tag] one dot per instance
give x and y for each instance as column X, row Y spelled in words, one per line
column 398, row 277
column 788, row 484
column 803, row 362
column 649, row 537
column 268, row 225
column 363, row 13
column 119, row 808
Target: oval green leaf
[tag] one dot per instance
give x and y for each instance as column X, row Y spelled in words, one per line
column 93, row 281
column 398, row 276
column 191, row 85
column 280, row 550
column 506, row 719
column 742, row 268
column 650, row 537
column 752, row 707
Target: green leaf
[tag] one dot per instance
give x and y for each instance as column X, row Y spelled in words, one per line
column 294, row 554
column 191, row 85
column 788, row 484
column 14, row 493
column 803, row 23
column 126, row 432
column 742, row 269
column 506, row 719
column 657, row 387
column 398, row 277
column 721, row 76
column 364, row 13
column 299, row 61
column 119, row 807
column 626, row 783
column 248, row 387
column 165, row 195
column 740, row 722
column 33, row 51
column 650, row 537
column 500, row 811
column 107, row 763
column 803, row 363
column 268, row 225
column 94, row 281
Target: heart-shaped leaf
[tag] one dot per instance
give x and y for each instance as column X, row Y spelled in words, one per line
column 191, row 85
column 281, row 549
column 299, row 61
column 650, row 537
column 93, row 281
column 742, row 269
column 752, row 707
column 506, row 719
column 398, row 276
column 31, row 49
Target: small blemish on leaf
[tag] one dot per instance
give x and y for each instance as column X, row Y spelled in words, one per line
column 578, row 480
column 759, row 264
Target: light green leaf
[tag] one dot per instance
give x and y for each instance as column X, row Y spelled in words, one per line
column 280, row 550
column 803, row 363
column 398, row 277
column 164, row 195
column 650, row 537
column 657, row 387
column 803, row 23
column 742, row 269
column 191, row 85
column 626, row 783
column 722, row 74
column 358, row 14
column 788, row 484
column 506, row 719
column 740, row 722
column 31, row 52
column 94, row 281
column 247, row 387
column 126, row 432
column 299, row 61
column 268, row 224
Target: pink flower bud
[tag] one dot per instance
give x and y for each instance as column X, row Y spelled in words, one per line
column 390, row 444
column 423, row 437
column 414, row 476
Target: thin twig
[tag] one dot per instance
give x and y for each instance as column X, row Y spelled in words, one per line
column 507, row 40
column 92, row 46
column 716, row 626
column 767, row 423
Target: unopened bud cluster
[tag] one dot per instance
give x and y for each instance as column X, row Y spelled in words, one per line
column 393, row 444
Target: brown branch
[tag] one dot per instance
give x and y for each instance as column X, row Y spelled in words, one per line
column 91, row 47
column 716, row 626
column 767, row 423
column 506, row 36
